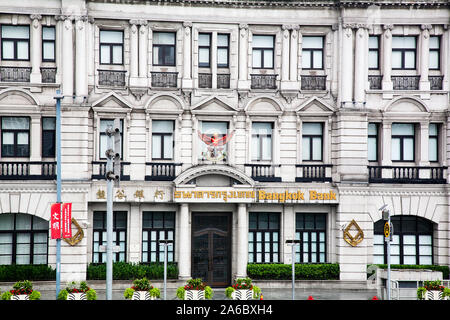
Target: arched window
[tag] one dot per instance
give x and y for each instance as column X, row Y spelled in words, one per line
column 412, row 241
column 23, row 239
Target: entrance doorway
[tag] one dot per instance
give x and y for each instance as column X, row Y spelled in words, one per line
column 211, row 248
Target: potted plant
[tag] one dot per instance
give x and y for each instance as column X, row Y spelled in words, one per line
column 22, row 290
column 142, row 290
column 433, row 290
column 77, row 291
column 195, row 289
column 243, row 289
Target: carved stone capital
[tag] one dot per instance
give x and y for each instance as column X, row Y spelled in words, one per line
column 243, row 26
column 426, row 27
column 187, row 24
column 35, row 17
column 389, row 27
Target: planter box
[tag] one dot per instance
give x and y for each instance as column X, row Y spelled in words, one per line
column 242, row 294
column 77, row 296
column 20, row 297
column 434, row 295
column 194, row 295
column 142, row 295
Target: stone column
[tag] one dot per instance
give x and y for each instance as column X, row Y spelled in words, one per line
column 134, row 59
column 424, row 84
column 294, row 54
column 187, row 77
column 445, row 57
column 387, row 52
column 81, row 86
column 36, row 48
column 143, row 44
column 184, row 258
column 34, row 141
column 423, row 146
column 347, row 66
column 361, row 66
column 386, row 151
column 67, row 59
column 242, row 238
column 243, row 82
column 285, row 55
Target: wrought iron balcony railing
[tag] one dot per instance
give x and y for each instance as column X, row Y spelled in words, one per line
column 375, row 82
column 436, row 82
column 263, row 81
column 393, row 174
column 313, row 172
column 405, row 82
column 33, row 170
column 223, row 81
column 313, row 83
column 205, row 80
column 111, row 78
column 48, row 75
column 264, row 172
column 161, row 171
column 15, row 74
column 164, row 79
column 99, row 170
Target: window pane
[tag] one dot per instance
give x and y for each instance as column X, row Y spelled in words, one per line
column 117, row 54
column 312, row 42
column 433, row 129
column 434, row 42
column 306, row 59
column 317, row 148
column 108, row 36
column 434, row 60
column 156, row 146
column 22, row 138
column 105, row 54
column 400, row 42
column 214, row 127
column 203, row 57
column 164, row 38
column 8, row 50
column 260, row 41
column 256, row 59
column 222, row 57
column 162, row 126
column 15, row 123
column 372, row 130
column 396, row 59
column 256, row 148
column 17, row 32
column 373, row 42
column 48, row 52
column 266, row 148
column 403, row 129
column 268, row 59
column 408, row 149
column 372, row 149
column 395, row 154
column 262, row 127
column 432, row 149
column 48, row 33
column 310, row 128
column 222, row 40
column 373, row 60
column 317, row 60
column 8, row 138
column 204, row 39
column 306, row 154
column 49, row 123
column 168, row 147
column 410, row 59
column 6, row 222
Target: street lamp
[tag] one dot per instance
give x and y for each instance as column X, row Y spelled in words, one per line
column 165, row 243
column 292, row 244
column 387, row 239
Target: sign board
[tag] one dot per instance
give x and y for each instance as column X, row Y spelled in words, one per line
column 67, row 220
column 55, row 221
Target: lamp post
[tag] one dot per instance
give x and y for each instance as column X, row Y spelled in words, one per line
column 292, row 244
column 165, row 243
column 388, row 239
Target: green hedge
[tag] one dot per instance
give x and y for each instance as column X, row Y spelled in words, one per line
column 302, row 271
column 18, row 272
column 131, row 271
column 444, row 269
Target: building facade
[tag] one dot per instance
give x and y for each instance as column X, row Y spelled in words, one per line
column 244, row 124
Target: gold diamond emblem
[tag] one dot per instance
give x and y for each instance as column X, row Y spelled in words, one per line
column 349, row 234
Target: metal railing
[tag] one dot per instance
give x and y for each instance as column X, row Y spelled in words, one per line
column 161, row 171
column 313, row 83
column 99, row 170
column 164, row 79
column 263, row 81
column 375, row 82
column 205, row 80
column 313, row 172
column 405, row 82
column 402, row 174
column 223, row 81
column 15, row 74
column 264, row 172
column 33, row 170
column 112, row 78
column 48, row 75
column 436, row 82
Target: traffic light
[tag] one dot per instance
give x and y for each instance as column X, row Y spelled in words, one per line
column 117, row 149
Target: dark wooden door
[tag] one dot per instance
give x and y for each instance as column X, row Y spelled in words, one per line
column 211, row 248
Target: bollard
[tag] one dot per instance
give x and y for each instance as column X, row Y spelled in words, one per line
column 310, row 298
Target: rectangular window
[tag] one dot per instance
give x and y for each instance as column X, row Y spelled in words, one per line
column 104, row 123
column 312, row 52
column 403, row 142
column 312, row 141
column 262, row 141
column 157, row 226
column 119, row 236
column 263, row 51
column 435, row 53
column 162, row 139
column 403, row 53
column 15, row 43
column 310, row 229
column 223, row 50
column 111, row 47
column 374, row 52
column 372, row 148
column 48, row 137
column 48, row 44
column 264, row 237
column 204, row 50
column 433, row 142
column 164, row 48
column 15, row 137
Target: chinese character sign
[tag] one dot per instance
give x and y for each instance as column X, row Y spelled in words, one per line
column 67, row 220
column 55, row 221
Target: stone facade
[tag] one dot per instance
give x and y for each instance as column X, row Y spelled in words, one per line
column 340, row 93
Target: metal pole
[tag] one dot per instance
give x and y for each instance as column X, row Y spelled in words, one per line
column 58, row 186
column 389, row 260
column 165, row 269
column 293, row 272
column 109, row 217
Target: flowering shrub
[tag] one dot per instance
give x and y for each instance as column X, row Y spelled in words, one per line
column 141, row 285
column 243, row 284
column 195, row 284
column 22, row 287
column 432, row 286
column 75, row 287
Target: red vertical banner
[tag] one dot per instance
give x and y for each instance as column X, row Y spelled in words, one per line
column 67, row 220
column 55, row 221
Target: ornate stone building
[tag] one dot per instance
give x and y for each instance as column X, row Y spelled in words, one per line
column 244, row 124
